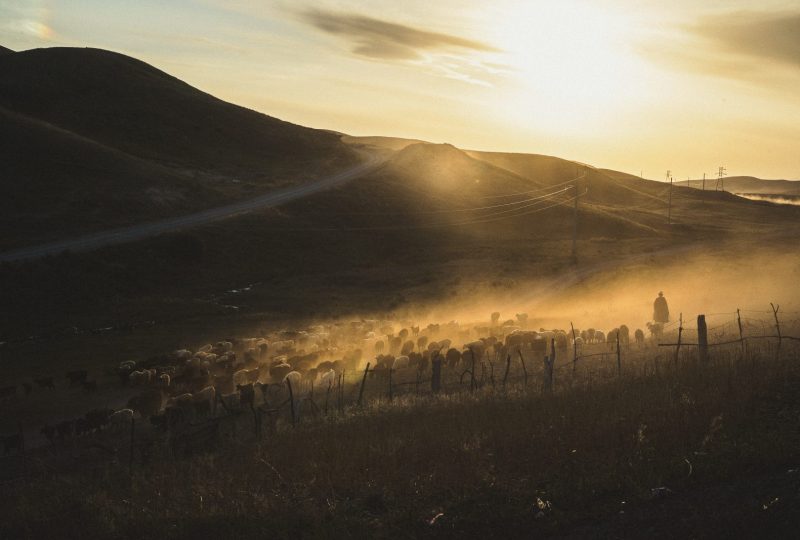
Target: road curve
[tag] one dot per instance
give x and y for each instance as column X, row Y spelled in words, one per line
column 138, row 232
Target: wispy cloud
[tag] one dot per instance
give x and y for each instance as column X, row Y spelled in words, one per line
column 376, row 38
column 760, row 48
column 447, row 55
column 768, row 36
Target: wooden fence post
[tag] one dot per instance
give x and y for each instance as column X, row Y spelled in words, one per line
column 291, row 400
column 702, row 338
column 574, row 349
column 524, row 369
column 680, row 334
column 508, row 366
column 741, row 333
column 472, row 383
column 133, row 436
column 390, row 385
column 22, row 450
column 552, row 361
column 778, row 328
column 619, row 357
column 436, row 374
column 363, row 382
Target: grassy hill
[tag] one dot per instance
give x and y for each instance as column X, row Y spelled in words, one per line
column 83, row 128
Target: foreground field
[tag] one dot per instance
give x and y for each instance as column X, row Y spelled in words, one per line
column 669, row 449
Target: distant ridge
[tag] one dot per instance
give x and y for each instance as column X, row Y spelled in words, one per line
column 749, row 184
column 5, row 50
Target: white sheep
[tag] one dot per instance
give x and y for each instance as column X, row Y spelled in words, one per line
column 294, row 377
column 240, row 377
column 327, row 379
column 205, row 348
column 164, row 380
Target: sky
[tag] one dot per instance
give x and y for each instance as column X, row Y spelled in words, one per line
column 641, row 86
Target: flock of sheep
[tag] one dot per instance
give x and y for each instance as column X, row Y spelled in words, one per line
column 184, row 386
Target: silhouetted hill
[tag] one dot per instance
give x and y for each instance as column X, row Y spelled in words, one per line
column 5, row 50
column 106, row 140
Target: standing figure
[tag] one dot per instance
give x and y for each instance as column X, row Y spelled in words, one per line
column 660, row 309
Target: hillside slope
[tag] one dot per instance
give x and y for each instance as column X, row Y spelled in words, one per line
column 86, row 127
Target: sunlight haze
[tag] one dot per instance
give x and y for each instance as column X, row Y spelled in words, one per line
column 632, row 86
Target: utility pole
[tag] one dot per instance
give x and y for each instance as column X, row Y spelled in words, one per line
column 575, row 224
column 669, row 204
column 721, row 173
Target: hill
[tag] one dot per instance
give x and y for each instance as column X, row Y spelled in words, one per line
column 5, row 50
column 750, row 184
column 108, row 126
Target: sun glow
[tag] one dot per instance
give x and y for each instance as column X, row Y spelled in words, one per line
column 571, row 65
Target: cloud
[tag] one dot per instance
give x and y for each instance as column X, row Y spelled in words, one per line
column 755, row 47
column 375, row 38
column 772, row 36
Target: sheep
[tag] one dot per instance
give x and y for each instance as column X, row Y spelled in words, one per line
column 231, row 402
column 77, row 377
column 407, row 348
column 452, row 357
column 240, row 377
column 278, row 371
column 182, row 400
column 327, row 378
column 121, row 419
column 639, row 337
column 523, row 319
column 182, row 355
column 139, row 378
column 127, row 365
column 207, row 394
column 205, row 348
column 624, row 335
column 294, row 378
column 163, row 380
column 45, row 382
column 401, row 362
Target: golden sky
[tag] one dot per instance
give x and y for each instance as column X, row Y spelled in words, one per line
column 634, row 85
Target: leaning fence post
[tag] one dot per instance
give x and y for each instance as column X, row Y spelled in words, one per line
column 574, row 348
column 524, row 369
column 291, row 400
column 363, row 382
column 702, row 338
column 741, row 334
column 508, row 366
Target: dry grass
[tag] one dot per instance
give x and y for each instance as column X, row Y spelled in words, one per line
column 480, row 460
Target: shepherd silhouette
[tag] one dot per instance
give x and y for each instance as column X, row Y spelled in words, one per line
column 660, row 309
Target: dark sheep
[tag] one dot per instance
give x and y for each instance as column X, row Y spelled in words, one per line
column 45, row 382
column 12, row 442
column 77, row 377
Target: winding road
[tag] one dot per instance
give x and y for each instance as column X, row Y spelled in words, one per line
column 137, row 232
